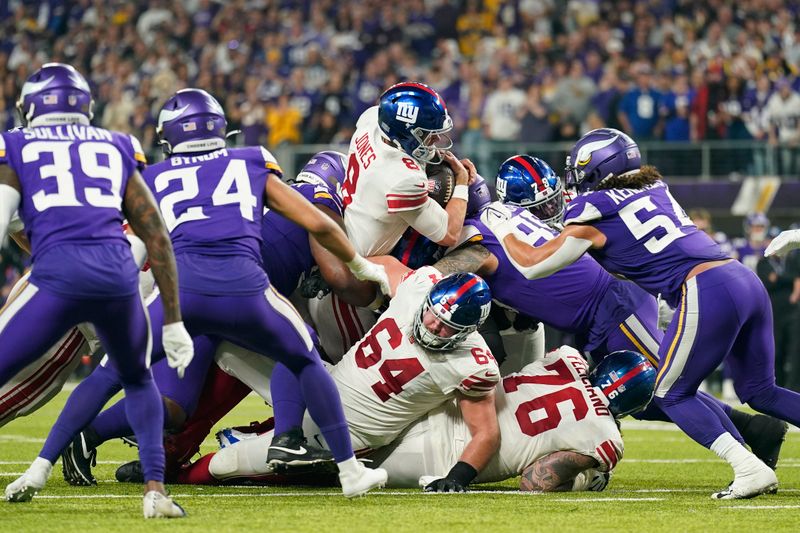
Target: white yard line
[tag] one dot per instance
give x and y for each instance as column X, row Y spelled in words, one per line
column 339, row 495
column 755, row 507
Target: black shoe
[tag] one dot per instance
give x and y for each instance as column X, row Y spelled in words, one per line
column 290, row 450
column 765, row 435
column 130, row 473
column 77, row 462
column 131, row 441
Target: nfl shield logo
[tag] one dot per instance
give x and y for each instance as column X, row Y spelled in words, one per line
column 72, row 100
column 210, row 125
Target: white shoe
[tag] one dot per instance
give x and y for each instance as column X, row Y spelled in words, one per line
column 749, row 485
column 28, row 484
column 362, row 480
column 157, row 505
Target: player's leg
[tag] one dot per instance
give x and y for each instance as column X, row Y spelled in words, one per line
column 697, row 340
column 124, row 329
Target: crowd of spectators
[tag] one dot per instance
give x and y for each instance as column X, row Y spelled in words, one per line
column 302, row 71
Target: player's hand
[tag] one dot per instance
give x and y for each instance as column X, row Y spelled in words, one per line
column 461, row 173
column 471, row 170
column 314, row 286
column 598, row 481
column 665, row 314
column 444, row 485
column 178, row 346
column 368, row 271
column 784, row 243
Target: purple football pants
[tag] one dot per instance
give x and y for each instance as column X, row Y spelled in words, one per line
column 724, row 314
column 37, row 318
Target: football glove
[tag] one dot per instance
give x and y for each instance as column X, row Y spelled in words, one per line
column 783, row 243
column 445, row 485
column 314, row 286
column 367, row 271
column 178, row 346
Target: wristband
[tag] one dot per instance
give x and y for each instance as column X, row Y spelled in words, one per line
column 357, row 263
column 461, row 192
column 462, row 473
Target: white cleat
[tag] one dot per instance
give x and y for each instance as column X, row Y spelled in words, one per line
column 157, row 505
column 362, row 480
column 749, row 485
column 28, row 484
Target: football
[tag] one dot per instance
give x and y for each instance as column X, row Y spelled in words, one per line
column 441, row 181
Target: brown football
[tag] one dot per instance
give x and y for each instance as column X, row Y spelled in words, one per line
column 441, row 181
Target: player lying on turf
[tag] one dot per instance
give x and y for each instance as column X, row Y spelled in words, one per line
column 556, row 422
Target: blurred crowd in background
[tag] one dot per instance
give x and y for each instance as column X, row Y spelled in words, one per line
column 537, row 71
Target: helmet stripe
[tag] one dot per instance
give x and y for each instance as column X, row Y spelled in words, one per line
column 424, row 88
column 625, row 377
column 527, row 166
column 464, row 288
column 412, row 241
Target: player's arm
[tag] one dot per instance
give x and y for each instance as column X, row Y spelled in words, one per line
column 555, row 472
column 481, row 419
column 469, row 258
column 443, row 226
column 337, row 275
column 291, row 204
column 550, row 257
column 10, row 197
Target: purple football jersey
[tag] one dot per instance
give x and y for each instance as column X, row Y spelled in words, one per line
column 649, row 238
column 569, row 300
column 212, row 204
column 285, row 250
column 73, row 179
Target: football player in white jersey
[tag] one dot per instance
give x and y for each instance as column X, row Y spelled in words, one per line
column 386, row 188
column 424, row 351
column 557, row 425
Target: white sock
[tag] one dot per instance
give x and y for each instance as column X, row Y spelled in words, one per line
column 40, row 463
column 730, row 450
column 351, row 466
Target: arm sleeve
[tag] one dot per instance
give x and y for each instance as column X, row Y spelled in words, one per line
column 430, row 219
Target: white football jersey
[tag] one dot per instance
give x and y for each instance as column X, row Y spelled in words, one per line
column 381, row 182
column 550, row 406
column 387, row 380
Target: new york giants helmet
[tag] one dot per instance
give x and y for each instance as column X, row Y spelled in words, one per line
column 461, row 301
column 55, row 94
column 191, row 120
column 529, row 182
column 327, row 168
column 627, row 379
column 600, row 154
column 414, row 118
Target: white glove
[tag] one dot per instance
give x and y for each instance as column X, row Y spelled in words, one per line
column 369, row 271
column 665, row 314
column 784, row 243
column 178, row 346
column 591, row 480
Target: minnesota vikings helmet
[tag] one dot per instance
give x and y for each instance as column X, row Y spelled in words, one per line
column 627, row 379
column 756, row 227
column 600, row 154
column 479, row 196
column 529, row 182
column 461, row 301
column 55, row 94
column 327, row 168
column 414, row 118
column 191, row 120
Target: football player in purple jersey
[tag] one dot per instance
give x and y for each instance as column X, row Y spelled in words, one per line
column 583, row 298
column 72, row 184
column 212, row 199
column 627, row 219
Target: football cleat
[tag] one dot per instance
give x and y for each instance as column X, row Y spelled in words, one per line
column 362, row 480
column 749, row 485
column 157, row 505
column 228, row 436
column 130, row 473
column 290, row 450
column 77, row 462
column 31, row 482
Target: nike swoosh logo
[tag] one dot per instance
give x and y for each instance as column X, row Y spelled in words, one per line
column 491, row 374
column 166, row 115
column 300, row 451
column 420, row 186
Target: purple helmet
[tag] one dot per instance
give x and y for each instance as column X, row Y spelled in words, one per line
column 328, row 167
column 756, row 226
column 55, row 94
column 600, row 154
column 479, row 196
column 191, row 120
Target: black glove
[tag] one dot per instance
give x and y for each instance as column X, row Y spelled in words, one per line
column 455, row 481
column 314, row 285
column 444, row 484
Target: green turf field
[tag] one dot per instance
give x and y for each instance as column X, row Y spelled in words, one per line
column 662, row 484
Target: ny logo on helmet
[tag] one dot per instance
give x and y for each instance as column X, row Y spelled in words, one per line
column 407, row 112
